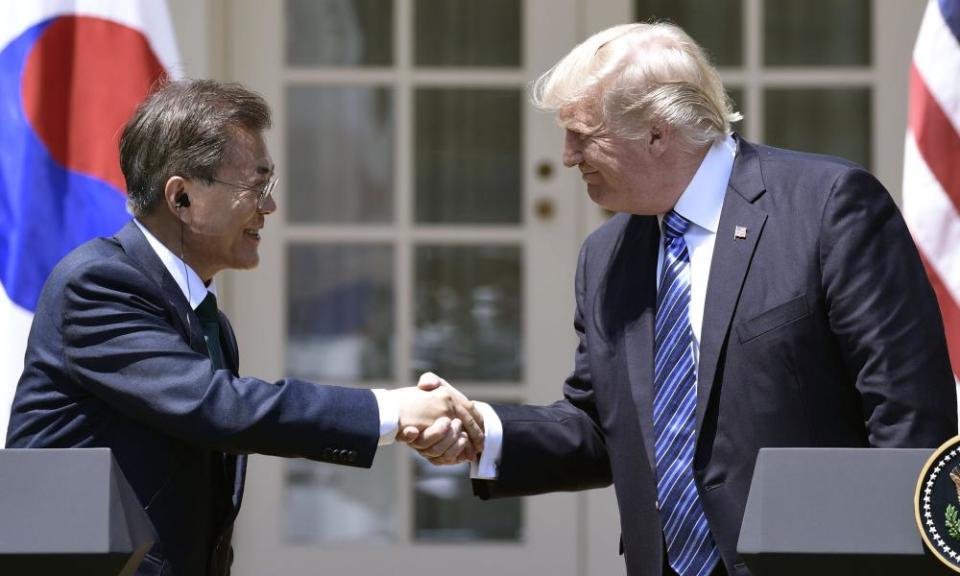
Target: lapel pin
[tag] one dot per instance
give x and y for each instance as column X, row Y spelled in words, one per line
column 740, row 232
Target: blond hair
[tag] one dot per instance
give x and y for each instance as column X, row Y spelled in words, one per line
column 642, row 74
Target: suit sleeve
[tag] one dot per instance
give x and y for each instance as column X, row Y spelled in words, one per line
column 121, row 346
column 559, row 447
column 885, row 316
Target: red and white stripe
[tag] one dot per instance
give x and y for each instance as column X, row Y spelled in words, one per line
column 931, row 179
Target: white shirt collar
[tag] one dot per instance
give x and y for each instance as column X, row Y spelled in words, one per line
column 702, row 200
column 189, row 281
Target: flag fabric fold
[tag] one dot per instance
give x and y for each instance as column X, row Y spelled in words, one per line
column 71, row 73
column 931, row 171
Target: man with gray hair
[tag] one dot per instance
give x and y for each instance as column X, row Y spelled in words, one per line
column 128, row 350
column 742, row 297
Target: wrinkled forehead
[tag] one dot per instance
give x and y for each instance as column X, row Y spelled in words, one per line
column 247, row 155
column 584, row 116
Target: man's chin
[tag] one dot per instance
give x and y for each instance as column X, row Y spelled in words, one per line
column 247, row 263
column 596, row 193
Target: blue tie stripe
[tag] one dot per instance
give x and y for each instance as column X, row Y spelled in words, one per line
column 671, row 481
column 666, row 422
column 690, row 547
column 670, row 398
column 673, row 300
column 672, row 347
column 670, row 428
column 673, row 352
column 666, row 443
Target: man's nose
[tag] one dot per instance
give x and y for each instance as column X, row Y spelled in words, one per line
column 269, row 205
column 571, row 150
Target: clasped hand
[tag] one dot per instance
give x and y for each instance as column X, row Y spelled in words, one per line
column 439, row 422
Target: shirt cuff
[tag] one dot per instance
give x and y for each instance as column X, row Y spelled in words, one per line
column 489, row 464
column 389, row 416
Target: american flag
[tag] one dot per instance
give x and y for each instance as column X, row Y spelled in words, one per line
column 931, row 174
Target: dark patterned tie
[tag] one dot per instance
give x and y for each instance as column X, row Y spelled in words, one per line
column 690, row 547
column 223, row 465
column 210, row 322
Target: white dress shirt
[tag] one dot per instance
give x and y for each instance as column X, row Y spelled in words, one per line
column 700, row 203
column 194, row 290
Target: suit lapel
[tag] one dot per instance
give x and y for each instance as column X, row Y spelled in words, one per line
column 136, row 245
column 234, row 466
column 228, row 343
column 640, row 299
column 741, row 226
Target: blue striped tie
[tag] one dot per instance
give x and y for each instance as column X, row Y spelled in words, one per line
column 690, row 547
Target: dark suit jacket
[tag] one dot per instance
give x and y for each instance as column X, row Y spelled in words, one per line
column 116, row 358
column 819, row 329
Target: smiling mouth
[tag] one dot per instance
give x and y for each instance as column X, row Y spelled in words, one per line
column 252, row 232
column 587, row 171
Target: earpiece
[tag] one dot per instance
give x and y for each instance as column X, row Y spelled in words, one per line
column 183, row 201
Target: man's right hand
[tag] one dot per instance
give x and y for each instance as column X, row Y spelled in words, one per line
column 432, row 415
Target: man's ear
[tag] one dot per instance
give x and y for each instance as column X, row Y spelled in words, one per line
column 175, row 194
column 659, row 138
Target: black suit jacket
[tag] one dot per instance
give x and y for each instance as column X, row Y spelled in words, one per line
column 820, row 329
column 116, row 358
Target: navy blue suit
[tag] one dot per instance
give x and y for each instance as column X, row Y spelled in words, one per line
column 820, row 329
column 116, row 358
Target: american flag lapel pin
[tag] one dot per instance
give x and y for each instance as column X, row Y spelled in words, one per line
column 740, row 232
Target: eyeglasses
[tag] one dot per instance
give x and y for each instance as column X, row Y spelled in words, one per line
column 262, row 193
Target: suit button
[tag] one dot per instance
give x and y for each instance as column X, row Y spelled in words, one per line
column 351, row 456
column 328, row 454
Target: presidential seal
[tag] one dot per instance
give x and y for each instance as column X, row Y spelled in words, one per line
column 937, row 503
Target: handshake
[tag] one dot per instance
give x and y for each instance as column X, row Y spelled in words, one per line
column 438, row 421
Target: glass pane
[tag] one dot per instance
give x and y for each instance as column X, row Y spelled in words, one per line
column 447, row 510
column 330, row 504
column 469, row 313
column 339, row 32
column 827, row 121
column 468, row 33
column 817, row 32
column 716, row 25
column 339, row 312
column 340, row 150
column 468, row 156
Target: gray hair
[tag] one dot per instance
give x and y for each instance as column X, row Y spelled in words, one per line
column 641, row 74
column 183, row 128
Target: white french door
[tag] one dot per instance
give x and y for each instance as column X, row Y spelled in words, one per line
column 424, row 223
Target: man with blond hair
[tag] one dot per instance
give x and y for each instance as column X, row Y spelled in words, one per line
column 742, row 297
